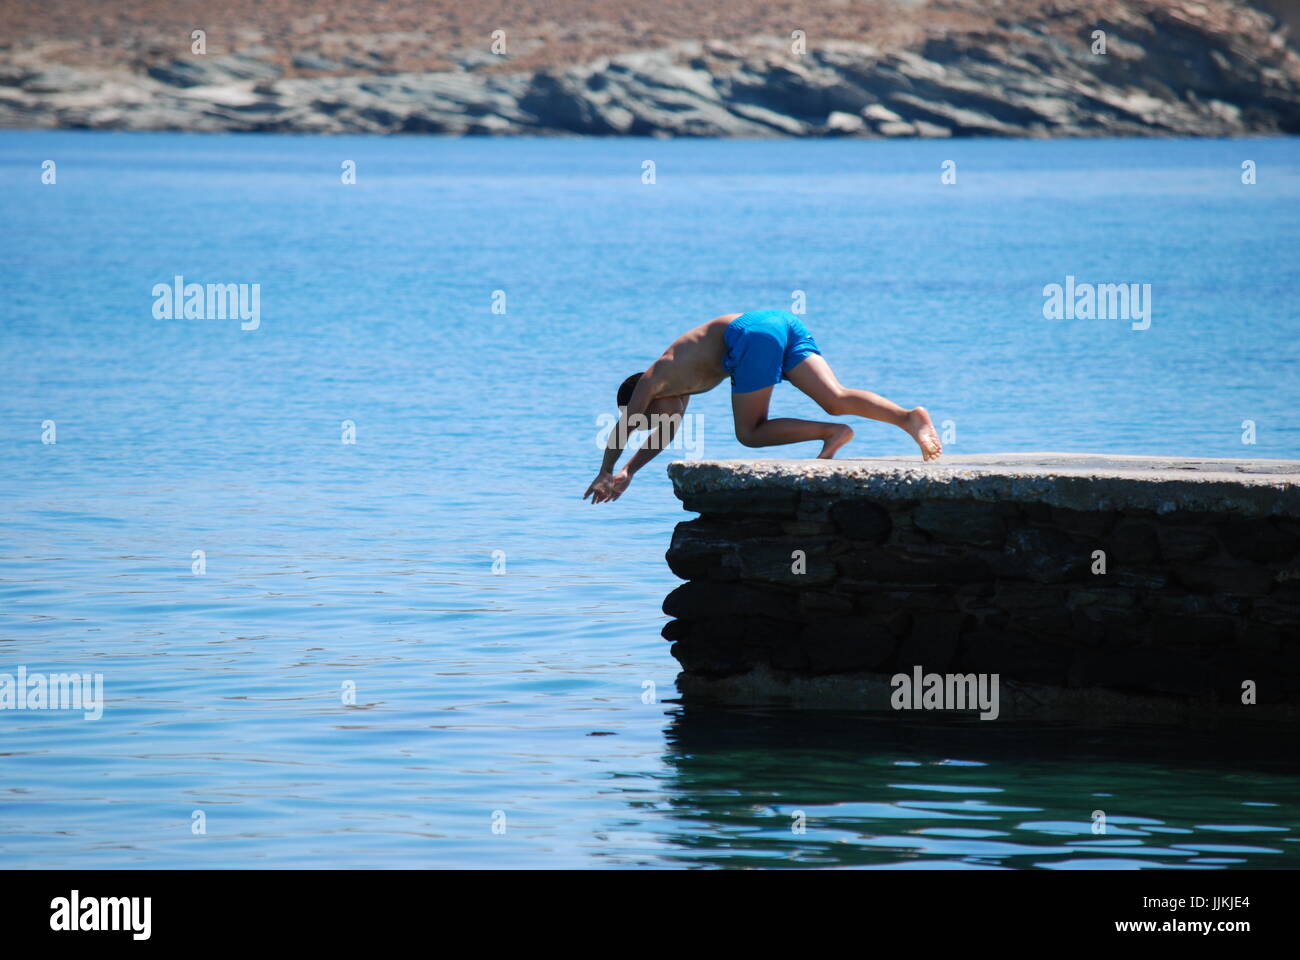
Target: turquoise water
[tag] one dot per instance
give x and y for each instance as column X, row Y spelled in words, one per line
column 521, row 694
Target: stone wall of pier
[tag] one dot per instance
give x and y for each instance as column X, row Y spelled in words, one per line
column 1134, row 582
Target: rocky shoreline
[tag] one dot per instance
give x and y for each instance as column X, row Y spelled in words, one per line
column 1191, row 69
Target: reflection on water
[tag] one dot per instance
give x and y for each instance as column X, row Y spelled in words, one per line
column 881, row 791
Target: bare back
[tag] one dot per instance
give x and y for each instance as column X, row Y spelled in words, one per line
column 693, row 362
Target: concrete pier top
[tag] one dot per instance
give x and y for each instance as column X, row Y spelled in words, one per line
column 1075, row 481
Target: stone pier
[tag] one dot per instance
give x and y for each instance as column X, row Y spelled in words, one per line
column 1120, row 588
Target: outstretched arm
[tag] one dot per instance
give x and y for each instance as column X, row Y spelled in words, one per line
column 660, row 437
column 609, row 486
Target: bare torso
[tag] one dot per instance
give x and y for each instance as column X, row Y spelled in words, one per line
column 693, row 362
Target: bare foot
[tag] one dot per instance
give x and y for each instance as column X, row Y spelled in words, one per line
column 921, row 427
column 841, row 435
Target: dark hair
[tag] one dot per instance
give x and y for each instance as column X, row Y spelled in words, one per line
column 625, row 391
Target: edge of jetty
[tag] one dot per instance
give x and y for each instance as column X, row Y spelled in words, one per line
column 1108, row 587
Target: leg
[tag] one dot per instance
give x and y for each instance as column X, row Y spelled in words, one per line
column 814, row 377
column 754, row 429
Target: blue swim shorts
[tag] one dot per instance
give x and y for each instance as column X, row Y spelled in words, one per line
column 764, row 345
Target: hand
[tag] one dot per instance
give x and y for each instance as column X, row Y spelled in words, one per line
column 608, row 487
column 599, row 488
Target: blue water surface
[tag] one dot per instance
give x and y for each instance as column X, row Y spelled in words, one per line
column 513, row 701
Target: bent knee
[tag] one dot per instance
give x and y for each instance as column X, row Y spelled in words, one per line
column 749, row 435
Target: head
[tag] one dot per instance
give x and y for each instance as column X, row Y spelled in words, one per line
column 625, row 390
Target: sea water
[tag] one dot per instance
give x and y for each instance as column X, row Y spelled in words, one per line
column 332, row 564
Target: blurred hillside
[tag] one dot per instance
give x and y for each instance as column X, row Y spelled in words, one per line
column 673, row 68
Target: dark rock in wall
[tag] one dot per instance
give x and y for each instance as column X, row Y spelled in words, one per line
column 1235, row 580
column 794, row 561
column 700, row 549
column 1045, row 555
column 1179, row 543
column 1257, row 540
column 861, row 520
column 701, row 599
column 847, row 643
column 1133, row 543
column 957, row 522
